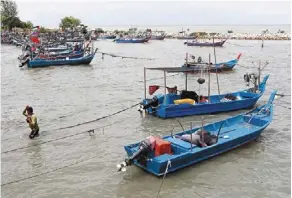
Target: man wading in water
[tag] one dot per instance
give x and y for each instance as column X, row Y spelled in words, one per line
column 31, row 119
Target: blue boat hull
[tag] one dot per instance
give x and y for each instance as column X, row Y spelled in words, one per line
column 167, row 108
column 216, row 44
column 59, row 62
column 219, row 67
column 107, row 37
column 235, row 131
column 132, row 40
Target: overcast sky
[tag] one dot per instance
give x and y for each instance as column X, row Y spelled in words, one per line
column 102, row 13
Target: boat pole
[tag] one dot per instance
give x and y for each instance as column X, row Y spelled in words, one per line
column 202, row 129
column 191, row 137
column 216, row 67
column 164, row 87
column 186, row 83
column 259, row 78
column 209, row 81
column 145, row 83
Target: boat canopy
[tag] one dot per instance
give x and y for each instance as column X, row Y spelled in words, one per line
column 177, row 69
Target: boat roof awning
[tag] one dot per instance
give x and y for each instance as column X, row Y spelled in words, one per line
column 175, row 69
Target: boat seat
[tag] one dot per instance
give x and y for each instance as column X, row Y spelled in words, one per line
column 181, row 143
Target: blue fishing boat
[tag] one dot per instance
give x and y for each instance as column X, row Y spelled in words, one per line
column 132, row 40
column 219, row 67
column 174, row 152
column 107, row 37
column 71, row 55
column 186, row 103
column 205, row 44
column 85, row 60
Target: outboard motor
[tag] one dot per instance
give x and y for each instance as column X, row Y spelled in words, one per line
column 150, row 103
column 144, row 147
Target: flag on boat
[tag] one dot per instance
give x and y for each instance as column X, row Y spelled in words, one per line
column 153, row 88
column 238, row 57
column 34, row 37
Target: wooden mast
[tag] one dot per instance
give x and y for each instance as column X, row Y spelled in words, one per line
column 145, row 83
column 209, row 80
column 216, row 67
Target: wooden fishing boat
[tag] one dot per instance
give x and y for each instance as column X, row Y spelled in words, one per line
column 85, row 60
column 157, row 38
column 219, row 67
column 132, row 40
column 172, row 153
column 186, row 103
column 205, row 44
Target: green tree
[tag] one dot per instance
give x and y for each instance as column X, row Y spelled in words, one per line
column 9, row 13
column 29, row 25
column 70, row 23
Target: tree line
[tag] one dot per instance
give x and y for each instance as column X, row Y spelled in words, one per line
column 10, row 19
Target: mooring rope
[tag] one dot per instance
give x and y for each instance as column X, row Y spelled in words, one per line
column 240, row 45
column 44, row 173
column 101, row 118
column 79, row 133
column 119, row 56
column 166, row 169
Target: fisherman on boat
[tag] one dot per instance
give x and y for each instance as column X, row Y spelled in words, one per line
column 31, row 119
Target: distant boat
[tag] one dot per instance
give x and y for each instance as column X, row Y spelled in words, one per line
column 205, row 44
column 157, row 37
column 107, row 37
column 132, row 40
column 219, row 67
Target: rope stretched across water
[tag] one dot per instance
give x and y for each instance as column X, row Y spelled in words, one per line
column 129, row 57
column 44, row 173
column 79, row 133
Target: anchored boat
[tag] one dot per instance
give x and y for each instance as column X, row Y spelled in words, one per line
column 205, row 44
column 132, row 40
column 84, row 60
column 219, row 67
column 178, row 103
column 172, row 153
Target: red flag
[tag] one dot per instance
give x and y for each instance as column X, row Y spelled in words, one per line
column 153, row 88
column 238, row 57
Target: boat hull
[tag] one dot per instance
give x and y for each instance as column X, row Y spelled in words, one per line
column 132, row 41
column 59, row 62
column 234, row 132
column 160, row 38
column 216, row 44
column 219, row 67
column 167, row 108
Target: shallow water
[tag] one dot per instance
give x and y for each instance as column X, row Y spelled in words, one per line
column 64, row 96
